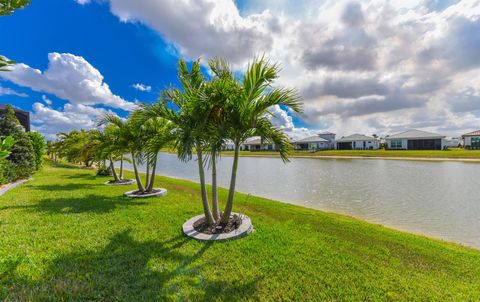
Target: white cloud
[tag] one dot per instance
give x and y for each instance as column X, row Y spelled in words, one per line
column 82, row 2
column 142, row 87
column 51, row 121
column 9, row 91
column 68, row 77
column 361, row 66
column 46, row 100
column 73, row 79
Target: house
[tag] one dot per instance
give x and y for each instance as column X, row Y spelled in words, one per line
column 471, row 140
column 228, row 146
column 256, row 144
column 22, row 116
column 358, row 142
column 416, row 140
column 321, row 141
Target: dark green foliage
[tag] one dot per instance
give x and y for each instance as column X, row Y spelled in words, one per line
column 104, row 171
column 22, row 154
column 39, row 145
column 5, row 146
column 7, row 7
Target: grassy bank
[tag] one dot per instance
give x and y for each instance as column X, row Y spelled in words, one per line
column 454, row 153
column 66, row 236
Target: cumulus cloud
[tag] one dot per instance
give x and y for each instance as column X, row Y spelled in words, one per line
column 201, row 28
column 68, row 77
column 51, row 121
column 9, row 91
column 72, row 79
column 142, row 87
column 361, row 66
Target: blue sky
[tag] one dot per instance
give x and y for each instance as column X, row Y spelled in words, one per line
column 361, row 67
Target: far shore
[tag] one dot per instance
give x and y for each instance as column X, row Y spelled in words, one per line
column 454, row 154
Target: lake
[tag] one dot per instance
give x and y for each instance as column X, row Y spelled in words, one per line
column 437, row 199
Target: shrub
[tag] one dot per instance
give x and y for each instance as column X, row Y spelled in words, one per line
column 22, row 156
column 39, row 144
column 104, row 171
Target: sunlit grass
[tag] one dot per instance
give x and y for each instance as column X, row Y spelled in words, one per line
column 65, row 236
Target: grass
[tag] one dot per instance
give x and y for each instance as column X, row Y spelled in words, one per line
column 454, row 153
column 65, row 236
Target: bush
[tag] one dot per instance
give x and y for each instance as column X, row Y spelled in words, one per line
column 22, row 154
column 39, row 144
column 104, row 171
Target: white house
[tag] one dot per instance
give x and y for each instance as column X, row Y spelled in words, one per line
column 256, row 144
column 358, row 142
column 415, row 140
column 471, row 140
column 321, row 141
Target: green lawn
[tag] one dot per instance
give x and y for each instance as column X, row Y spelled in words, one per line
column 65, row 236
column 454, row 153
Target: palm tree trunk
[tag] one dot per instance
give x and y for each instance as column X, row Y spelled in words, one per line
column 137, row 176
column 216, row 214
column 152, row 177
column 121, row 167
column 201, row 172
column 147, row 175
column 112, row 166
column 231, row 192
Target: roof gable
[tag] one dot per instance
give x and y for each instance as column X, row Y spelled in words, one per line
column 414, row 133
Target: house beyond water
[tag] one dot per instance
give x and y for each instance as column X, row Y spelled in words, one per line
column 256, row 144
column 471, row 141
column 416, row 140
column 358, row 142
column 321, row 141
column 22, row 116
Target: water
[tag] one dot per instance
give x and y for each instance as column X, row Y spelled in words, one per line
column 437, row 199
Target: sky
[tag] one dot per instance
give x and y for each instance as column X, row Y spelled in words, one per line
column 369, row 67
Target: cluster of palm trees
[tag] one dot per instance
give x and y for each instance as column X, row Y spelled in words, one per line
column 197, row 120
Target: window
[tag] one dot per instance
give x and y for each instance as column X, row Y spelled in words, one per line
column 396, row 144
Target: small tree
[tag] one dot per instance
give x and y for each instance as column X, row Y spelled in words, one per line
column 22, row 153
column 38, row 143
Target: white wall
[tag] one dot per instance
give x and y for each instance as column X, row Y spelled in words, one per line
column 468, row 141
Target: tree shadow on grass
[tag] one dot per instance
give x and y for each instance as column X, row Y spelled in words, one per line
column 86, row 204
column 128, row 270
column 67, row 187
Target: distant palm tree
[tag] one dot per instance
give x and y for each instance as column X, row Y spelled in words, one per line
column 131, row 137
column 158, row 133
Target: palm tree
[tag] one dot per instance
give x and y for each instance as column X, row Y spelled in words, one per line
column 130, row 137
column 158, row 133
column 247, row 113
column 189, row 119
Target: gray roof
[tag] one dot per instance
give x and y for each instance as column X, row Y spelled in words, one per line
column 474, row 133
column 415, row 134
column 312, row 139
column 326, row 133
column 356, row 137
column 256, row 141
